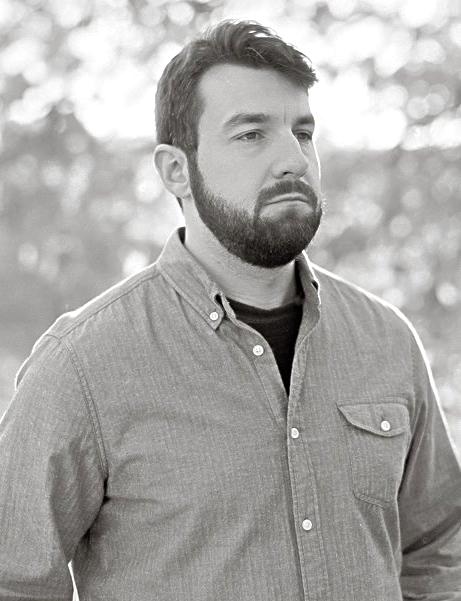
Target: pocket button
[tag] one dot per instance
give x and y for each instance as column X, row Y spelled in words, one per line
column 385, row 425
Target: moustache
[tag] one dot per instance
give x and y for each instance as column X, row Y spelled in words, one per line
column 289, row 187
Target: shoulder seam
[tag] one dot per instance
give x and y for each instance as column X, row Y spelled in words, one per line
column 363, row 292
column 89, row 404
column 75, row 325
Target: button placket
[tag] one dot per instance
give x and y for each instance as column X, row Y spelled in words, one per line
column 309, row 534
column 264, row 364
column 294, row 433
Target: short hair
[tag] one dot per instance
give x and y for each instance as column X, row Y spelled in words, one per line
column 177, row 103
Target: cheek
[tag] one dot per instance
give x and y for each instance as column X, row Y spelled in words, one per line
column 213, row 169
column 228, row 177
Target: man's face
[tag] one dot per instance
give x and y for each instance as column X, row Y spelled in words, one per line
column 256, row 177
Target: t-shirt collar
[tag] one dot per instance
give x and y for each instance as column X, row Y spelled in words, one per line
column 189, row 278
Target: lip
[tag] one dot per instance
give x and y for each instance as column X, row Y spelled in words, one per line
column 288, row 197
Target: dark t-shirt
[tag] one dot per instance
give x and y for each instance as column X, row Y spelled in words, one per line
column 279, row 327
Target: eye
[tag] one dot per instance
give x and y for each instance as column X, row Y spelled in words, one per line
column 250, row 136
column 304, row 136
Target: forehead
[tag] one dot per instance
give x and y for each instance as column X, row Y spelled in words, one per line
column 227, row 89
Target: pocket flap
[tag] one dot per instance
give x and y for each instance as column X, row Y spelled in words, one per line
column 383, row 419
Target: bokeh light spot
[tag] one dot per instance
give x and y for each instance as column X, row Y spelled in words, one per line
column 134, row 261
column 181, row 13
column 28, row 256
column 447, row 294
column 400, row 226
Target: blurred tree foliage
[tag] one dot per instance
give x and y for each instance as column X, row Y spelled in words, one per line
column 81, row 206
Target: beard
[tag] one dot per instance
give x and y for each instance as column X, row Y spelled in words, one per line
column 258, row 239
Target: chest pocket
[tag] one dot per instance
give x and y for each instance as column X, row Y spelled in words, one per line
column 377, row 436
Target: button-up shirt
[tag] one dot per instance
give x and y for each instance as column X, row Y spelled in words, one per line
column 151, row 442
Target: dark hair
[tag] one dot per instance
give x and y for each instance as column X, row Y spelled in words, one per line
column 177, row 104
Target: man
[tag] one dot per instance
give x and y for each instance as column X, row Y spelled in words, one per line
column 232, row 423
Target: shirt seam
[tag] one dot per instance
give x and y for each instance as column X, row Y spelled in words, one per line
column 89, row 403
column 84, row 318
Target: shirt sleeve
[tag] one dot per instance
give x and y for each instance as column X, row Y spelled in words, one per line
column 430, row 498
column 51, row 476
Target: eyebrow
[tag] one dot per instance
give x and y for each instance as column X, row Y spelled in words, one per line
column 244, row 118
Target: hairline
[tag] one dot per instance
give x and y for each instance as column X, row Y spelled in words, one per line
column 199, row 100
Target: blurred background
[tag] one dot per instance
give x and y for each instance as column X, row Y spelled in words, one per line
column 81, row 206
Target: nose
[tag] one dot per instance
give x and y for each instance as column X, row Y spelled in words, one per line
column 290, row 159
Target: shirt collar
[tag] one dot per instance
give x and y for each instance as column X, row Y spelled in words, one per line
column 191, row 281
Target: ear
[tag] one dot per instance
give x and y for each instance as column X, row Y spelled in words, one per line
column 171, row 164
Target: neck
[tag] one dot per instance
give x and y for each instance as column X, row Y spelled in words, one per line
column 266, row 288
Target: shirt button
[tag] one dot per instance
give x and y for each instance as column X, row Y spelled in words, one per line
column 307, row 525
column 258, row 350
column 385, row 425
column 214, row 316
column 294, row 432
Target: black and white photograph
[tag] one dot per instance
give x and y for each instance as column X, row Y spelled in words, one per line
column 230, row 309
